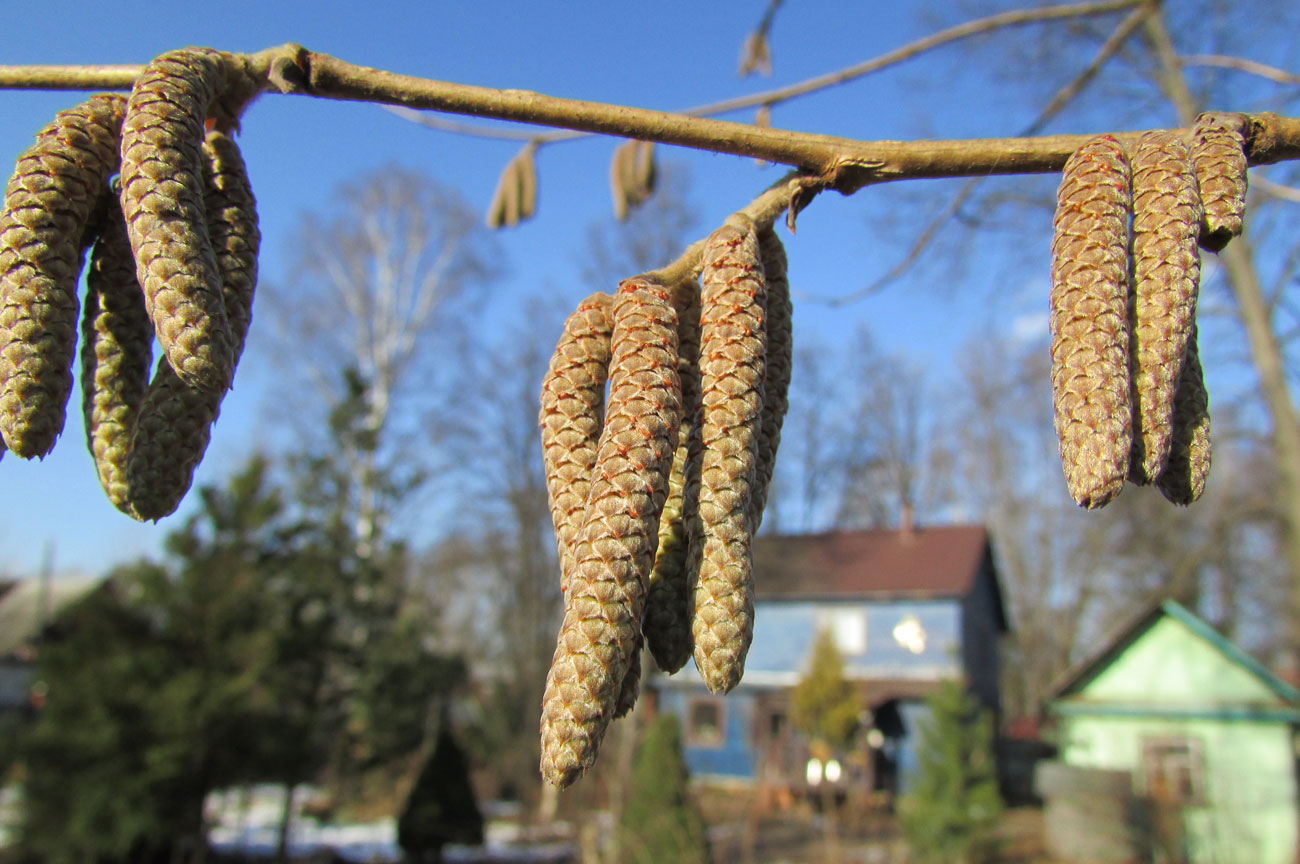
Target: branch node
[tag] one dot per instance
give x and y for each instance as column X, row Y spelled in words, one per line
column 288, row 69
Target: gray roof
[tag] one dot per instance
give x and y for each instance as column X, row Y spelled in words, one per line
column 28, row 600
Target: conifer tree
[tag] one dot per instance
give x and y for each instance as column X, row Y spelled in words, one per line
column 954, row 806
column 661, row 821
column 441, row 807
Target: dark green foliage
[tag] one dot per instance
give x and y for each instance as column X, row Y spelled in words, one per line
column 825, row 707
column 954, row 806
column 263, row 651
column 441, row 807
column 156, row 692
column 661, row 821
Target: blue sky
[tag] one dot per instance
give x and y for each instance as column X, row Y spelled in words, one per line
column 678, row 55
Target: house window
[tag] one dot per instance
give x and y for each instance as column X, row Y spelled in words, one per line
column 704, row 722
column 1173, row 770
column 848, row 627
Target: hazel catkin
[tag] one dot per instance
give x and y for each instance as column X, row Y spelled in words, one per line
column 601, row 631
column 732, row 357
column 1218, row 152
column 174, row 423
column 1166, row 272
column 1183, row 479
column 669, row 606
column 116, row 353
column 162, row 199
column 571, row 417
column 47, row 205
column 778, row 362
column 1089, row 321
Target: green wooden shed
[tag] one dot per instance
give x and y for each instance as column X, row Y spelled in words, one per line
column 1207, row 734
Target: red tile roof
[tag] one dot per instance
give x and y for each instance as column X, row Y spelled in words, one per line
column 923, row 563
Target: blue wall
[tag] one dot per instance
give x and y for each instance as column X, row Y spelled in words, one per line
column 783, row 636
column 784, row 632
column 733, row 756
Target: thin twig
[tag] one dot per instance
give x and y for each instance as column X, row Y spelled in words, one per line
column 913, row 49
column 1060, row 100
column 1240, row 64
column 843, row 164
column 1274, row 189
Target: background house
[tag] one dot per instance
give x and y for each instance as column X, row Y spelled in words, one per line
column 1194, row 739
column 908, row 609
column 26, row 606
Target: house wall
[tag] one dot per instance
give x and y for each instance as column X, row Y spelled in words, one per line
column 1248, row 813
column 980, row 638
column 895, row 640
column 729, row 756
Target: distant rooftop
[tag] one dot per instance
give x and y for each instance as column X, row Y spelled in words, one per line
column 930, row 562
column 25, row 602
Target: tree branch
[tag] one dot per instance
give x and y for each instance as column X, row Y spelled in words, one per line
column 1272, row 73
column 843, row 164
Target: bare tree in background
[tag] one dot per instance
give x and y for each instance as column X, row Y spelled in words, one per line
column 369, row 297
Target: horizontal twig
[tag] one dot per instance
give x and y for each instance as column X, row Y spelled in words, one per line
column 844, row 164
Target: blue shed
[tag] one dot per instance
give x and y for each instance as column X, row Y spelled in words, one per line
column 908, row 609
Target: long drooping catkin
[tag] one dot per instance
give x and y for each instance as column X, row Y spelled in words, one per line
column 162, row 199
column 116, row 353
column 1089, row 321
column 47, row 204
column 779, row 360
column 1167, row 269
column 606, row 593
column 732, row 353
column 1219, row 156
column 667, row 623
column 175, row 421
column 1183, row 479
column 571, row 417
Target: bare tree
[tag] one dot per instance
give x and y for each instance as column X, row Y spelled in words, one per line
column 368, row 299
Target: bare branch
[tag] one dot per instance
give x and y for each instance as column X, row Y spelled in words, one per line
column 1240, row 64
column 843, row 164
column 1275, row 190
column 1063, row 98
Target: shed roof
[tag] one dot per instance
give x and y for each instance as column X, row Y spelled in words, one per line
column 940, row 561
column 24, row 604
column 1077, row 678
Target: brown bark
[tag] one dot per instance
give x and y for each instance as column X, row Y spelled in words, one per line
column 1238, row 262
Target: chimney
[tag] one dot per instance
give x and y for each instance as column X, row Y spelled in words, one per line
column 907, row 521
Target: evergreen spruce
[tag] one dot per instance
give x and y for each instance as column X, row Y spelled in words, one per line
column 954, row 806
column 441, row 807
column 661, row 821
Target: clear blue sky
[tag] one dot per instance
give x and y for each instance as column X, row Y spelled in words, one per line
column 666, row 55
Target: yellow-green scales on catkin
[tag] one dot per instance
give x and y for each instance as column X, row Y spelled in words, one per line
column 162, row 200
column 669, row 607
column 116, row 353
column 733, row 349
column 1218, row 152
column 1166, row 268
column 1183, row 479
column 779, row 362
column 1089, row 321
column 175, row 421
column 47, row 205
column 572, row 415
column 601, row 630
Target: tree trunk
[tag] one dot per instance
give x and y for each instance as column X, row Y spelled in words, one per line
column 1238, row 262
column 286, row 823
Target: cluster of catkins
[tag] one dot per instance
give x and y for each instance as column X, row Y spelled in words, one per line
column 656, row 495
column 1129, row 397
column 175, row 242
